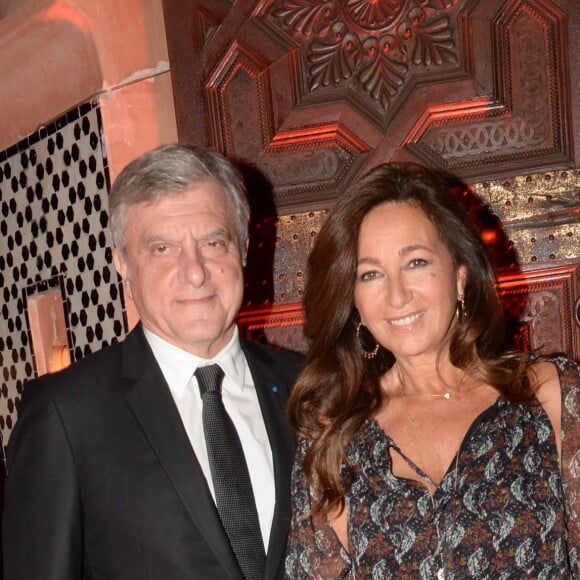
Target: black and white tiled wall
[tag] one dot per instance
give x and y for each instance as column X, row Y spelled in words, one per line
column 53, row 232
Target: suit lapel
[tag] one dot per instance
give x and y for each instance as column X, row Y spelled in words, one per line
column 272, row 390
column 154, row 409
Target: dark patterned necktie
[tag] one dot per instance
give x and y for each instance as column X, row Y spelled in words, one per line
column 231, row 480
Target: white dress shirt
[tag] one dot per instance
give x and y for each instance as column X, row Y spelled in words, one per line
column 241, row 402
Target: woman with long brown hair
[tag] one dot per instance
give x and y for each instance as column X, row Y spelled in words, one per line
column 426, row 448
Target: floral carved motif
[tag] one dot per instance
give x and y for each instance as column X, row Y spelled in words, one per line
column 373, row 46
column 544, row 314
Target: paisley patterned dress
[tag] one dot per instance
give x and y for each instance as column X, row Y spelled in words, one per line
column 506, row 509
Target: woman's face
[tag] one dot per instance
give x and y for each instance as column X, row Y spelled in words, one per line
column 406, row 286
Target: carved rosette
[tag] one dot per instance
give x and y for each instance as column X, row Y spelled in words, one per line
column 373, row 47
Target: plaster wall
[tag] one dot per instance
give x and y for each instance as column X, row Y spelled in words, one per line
column 57, row 54
column 80, row 80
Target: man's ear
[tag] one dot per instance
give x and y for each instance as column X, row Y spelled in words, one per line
column 123, row 268
column 245, row 252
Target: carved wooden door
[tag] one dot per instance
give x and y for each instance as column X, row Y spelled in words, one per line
column 310, row 94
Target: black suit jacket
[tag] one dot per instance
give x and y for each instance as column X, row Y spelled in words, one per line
column 103, row 483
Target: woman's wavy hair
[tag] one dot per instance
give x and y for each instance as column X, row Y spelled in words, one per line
column 339, row 388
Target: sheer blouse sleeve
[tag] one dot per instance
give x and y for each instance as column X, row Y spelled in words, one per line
column 569, row 373
column 313, row 550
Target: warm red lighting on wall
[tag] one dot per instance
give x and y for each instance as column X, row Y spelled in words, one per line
column 489, row 236
column 48, row 329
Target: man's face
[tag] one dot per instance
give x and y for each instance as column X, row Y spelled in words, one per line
column 183, row 268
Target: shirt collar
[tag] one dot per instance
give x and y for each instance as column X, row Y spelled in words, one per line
column 178, row 365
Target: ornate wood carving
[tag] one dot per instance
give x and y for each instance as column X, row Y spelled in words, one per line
column 544, row 307
column 524, row 123
column 298, row 161
column 369, row 53
column 307, row 90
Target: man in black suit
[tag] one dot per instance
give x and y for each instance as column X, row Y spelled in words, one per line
column 110, row 475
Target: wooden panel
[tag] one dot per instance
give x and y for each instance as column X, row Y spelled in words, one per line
column 543, row 305
column 277, row 325
column 524, row 124
column 313, row 93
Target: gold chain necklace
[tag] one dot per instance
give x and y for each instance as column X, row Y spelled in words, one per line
column 428, row 480
column 412, row 431
column 447, row 395
column 430, row 483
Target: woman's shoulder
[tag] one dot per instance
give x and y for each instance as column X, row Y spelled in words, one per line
column 556, row 383
column 560, row 361
column 568, row 374
column 554, row 376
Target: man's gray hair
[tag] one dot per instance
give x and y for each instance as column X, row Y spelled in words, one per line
column 174, row 169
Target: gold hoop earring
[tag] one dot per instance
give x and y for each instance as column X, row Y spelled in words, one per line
column 366, row 353
column 460, row 310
